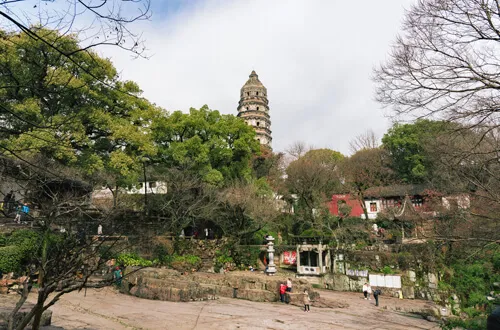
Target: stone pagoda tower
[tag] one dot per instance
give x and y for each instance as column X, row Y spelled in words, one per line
column 254, row 109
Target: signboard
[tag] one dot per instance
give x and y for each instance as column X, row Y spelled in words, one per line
column 386, row 281
column 290, row 257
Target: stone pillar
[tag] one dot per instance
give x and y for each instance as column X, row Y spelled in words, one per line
column 320, row 256
column 271, row 267
column 298, row 258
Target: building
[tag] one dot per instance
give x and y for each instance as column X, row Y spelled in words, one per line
column 254, row 108
column 377, row 199
column 151, row 187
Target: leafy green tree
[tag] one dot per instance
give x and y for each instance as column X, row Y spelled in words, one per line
column 63, row 119
column 75, row 112
column 216, row 147
column 407, row 146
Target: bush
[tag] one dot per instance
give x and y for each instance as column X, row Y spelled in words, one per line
column 222, row 260
column 10, row 259
column 19, row 250
column 313, row 233
column 185, row 263
column 246, row 256
column 132, row 259
column 387, row 270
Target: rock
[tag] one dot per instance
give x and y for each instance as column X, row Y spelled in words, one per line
column 408, row 292
column 431, row 318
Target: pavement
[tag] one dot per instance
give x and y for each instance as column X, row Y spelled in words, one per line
column 107, row 309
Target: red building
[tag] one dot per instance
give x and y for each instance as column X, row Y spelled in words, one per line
column 353, row 203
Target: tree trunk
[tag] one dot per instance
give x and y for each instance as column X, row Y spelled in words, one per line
column 41, row 278
column 19, row 304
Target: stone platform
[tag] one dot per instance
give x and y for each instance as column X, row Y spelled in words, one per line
column 170, row 285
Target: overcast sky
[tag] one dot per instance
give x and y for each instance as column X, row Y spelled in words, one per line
column 315, row 57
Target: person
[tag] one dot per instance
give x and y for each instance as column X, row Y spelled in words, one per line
column 367, row 290
column 19, row 211
column 282, row 292
column 307, row 301
column 118, row 276
column 7, row 201
column 289, row 285
column 99, row 229
column 376, row 294
column 25, row 210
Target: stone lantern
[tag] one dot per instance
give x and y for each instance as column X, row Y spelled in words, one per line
column 271, row 267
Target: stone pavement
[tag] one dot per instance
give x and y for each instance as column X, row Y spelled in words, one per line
column 106, row 309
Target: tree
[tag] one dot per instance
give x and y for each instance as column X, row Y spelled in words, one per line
column 367, row 140
column 188, row 202
column 111, row 21
column 246, row 208
column 218, row 148
column 314, row 177
column 60, row 126
column 445, row 63
column 367, row 168
column 408, row 146
column 52, row 107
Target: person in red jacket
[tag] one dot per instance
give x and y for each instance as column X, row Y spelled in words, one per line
column 282, row 292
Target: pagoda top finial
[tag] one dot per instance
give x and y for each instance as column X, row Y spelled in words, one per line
column 253, row 74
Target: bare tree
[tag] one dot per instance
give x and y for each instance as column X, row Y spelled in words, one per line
column 445, row 64
column 96, row 22
column 367, row 140
column 297, row 149
column 65, row 257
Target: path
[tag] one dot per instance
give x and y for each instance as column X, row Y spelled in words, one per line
column 105, row 309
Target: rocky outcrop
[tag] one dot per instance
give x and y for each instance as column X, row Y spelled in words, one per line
column 170, row 285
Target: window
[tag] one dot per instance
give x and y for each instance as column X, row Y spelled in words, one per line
column 373, row 207
column 258, row 123
column 257, row 108
column 256, row 93
column 258, row 140
column 248, row 93
column 247, row 108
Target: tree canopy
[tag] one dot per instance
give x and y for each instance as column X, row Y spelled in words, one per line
column 75, row 112
column 216, row 147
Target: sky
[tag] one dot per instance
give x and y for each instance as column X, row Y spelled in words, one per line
column 315, row 57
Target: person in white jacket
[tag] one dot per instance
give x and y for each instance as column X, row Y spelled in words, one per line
column 367, row 290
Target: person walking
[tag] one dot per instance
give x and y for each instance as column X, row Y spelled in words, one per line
column 289, row 285
column 99, row 230
column 282, row 292
column 376, row 294
column 367, row 290
column 307, row 301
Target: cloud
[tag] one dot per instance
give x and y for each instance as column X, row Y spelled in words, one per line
column 315, row 58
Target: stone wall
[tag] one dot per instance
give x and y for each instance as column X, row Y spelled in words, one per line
column 170, row 285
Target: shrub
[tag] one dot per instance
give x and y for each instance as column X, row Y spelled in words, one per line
column 132, row 259
column 222, row 260
column 185, row 263
column 19, row 250
column 387, row 270
column 10, row 259
column 246, row 255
